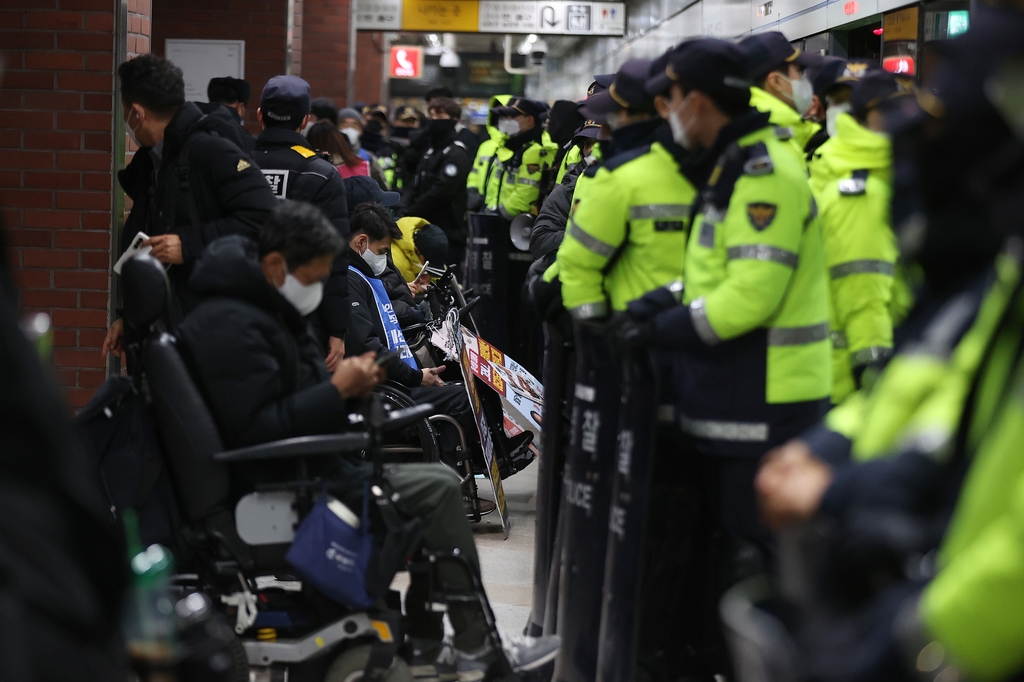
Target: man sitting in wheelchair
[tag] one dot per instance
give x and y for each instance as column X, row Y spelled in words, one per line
column 264, row 379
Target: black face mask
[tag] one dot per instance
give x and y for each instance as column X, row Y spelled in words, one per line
column 374, row 127
column 401, row 133
column 440, row 128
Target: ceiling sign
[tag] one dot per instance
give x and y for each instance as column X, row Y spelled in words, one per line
column 406, row 62
column 901, row 65
column 544, row 17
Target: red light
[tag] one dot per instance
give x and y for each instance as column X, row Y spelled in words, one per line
column 851, row 7
column 901, row 65
column 878, row 31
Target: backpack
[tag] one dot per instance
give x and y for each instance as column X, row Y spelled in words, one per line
column 126, row 461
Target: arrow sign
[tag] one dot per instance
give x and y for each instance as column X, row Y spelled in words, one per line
column 549, row 17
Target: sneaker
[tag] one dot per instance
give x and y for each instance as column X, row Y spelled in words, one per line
column 473, row 667
column 529, row 653
column 432, row 660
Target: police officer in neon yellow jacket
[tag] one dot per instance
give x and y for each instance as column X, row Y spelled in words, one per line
column 780, row 88
column 630, row 217
column 852, row 175
column 485, row 155
column 513, row 185
column 750, row 345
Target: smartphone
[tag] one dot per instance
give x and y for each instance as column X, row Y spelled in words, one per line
column 384, row 357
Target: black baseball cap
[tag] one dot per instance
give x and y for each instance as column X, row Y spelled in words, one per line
column 715, row 67
column 406, row 113
column 841, row 72
column 520, row 106
column 600, row 84
column 362, row 189
column 871, row 90
column 433, row 244
column 229, row 90
column 625, row 92
column 285, row 98
column 378, row 110
column 590, row 129
column 766, row 51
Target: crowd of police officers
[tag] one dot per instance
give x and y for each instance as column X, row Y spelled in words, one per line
column 783, row 315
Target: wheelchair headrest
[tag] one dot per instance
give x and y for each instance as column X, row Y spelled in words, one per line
column 146, row 290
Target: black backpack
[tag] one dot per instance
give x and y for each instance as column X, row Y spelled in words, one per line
column 126, row 461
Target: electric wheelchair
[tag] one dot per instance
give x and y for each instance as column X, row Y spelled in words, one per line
column 234, row 547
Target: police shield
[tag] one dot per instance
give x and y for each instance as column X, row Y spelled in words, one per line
column 487, row 275
column 586, row 486
column 630, row 492
column 549, row 475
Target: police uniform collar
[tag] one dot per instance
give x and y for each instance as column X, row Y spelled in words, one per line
column 280, row 137
column 740, row 126
column 521, row 140
column 635, row 135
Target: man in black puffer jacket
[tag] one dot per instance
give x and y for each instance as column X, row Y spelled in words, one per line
column 190, row 182
column 264, row 379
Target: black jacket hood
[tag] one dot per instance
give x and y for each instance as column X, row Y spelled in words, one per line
column 230, row 267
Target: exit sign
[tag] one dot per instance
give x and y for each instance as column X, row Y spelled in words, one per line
column 406, row 62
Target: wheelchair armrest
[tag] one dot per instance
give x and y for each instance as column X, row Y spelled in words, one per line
column 302, row 446
column 414, row 328
column 400, row 418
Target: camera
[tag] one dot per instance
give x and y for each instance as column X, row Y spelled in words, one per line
column 538, row 52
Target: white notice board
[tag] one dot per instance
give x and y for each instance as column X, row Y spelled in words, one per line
column 201, row 60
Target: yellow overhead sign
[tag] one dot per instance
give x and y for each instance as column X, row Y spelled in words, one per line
column 440, row 15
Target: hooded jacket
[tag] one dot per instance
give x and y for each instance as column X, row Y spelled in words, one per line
column 437, row 191
column 793, row 128
column 251, row 353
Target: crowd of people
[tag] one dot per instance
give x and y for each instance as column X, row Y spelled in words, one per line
column 821, row 260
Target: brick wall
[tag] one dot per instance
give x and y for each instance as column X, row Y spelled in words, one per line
column 325, row 53
column 296, row 54
column 262, row 24
column 140, row 27
column 56, row 104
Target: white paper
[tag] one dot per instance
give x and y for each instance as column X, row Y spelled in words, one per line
column 135, row 249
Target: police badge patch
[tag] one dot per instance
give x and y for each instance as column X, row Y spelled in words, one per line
column 761, row 215
column 451, row 170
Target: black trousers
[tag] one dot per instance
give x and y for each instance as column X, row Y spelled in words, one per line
column 452, row 400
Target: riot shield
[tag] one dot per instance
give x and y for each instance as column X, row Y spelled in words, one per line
column 628, row 519
column 487, row 275
column 586, row 486
column 549, row 474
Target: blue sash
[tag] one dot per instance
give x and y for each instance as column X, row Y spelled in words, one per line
column 393, row 332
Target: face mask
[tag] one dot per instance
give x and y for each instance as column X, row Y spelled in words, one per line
column 590, row 159
column 803, row 94
column 440, row 127
column 374, row 126
column 376, row 262
column 305, row 128
column 353, row 137
column 832, row 116
column 400, row 133
column 305, row 297
column 612, row 120
column 509, row 126
column 131, row 131
column 679, row 131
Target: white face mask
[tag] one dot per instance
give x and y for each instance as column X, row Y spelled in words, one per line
column 305, row 297
column 353, row 137
column 376, row 262
column 509, row 126
column 131, row 131
column 305, row 128
column 803, row 94
column 832, row 116
column 679, row 132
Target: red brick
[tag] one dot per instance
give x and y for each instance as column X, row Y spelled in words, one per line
column 28, row 120
column 29, row 238
column 98, row 103
column 79, row 239
column 65, row 101
column 32, row 278
column 96, row 181
column 99, row 62
column 96, row 221
column 142, row 44
column 52, row 140
column 91, row 339
column 86, row 82
column 53, row 20
column 96, row 259
column 82, row 121
column 95, row 42
column 25, row 80
column 131, row 44
column 48, row 298
column 64, row 377
column 97, row 141
column 85, row 200
column 12, row 19
column 80, row 280
column 83, row 161
column 79, row 397
column 64, row 338
column 51, row 180
column 18, row 159
column 49, row 259
column 91, row 378
column 52, row 219
column 57, row 61
column 65, row 357
column 75, row 319
column 99, row 22
column 11, row 179
column 94, row 300
column 27, row 198
column 10, row 139
column 26, row 39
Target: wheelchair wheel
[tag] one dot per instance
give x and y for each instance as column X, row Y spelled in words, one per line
column 350, row 664
column 416, row 443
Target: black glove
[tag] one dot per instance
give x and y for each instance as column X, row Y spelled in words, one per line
column 626, row 334
column 650, row 304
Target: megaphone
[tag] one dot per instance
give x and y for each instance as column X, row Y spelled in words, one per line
column 520, row 229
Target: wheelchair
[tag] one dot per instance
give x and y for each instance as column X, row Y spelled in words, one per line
column 234, row 547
